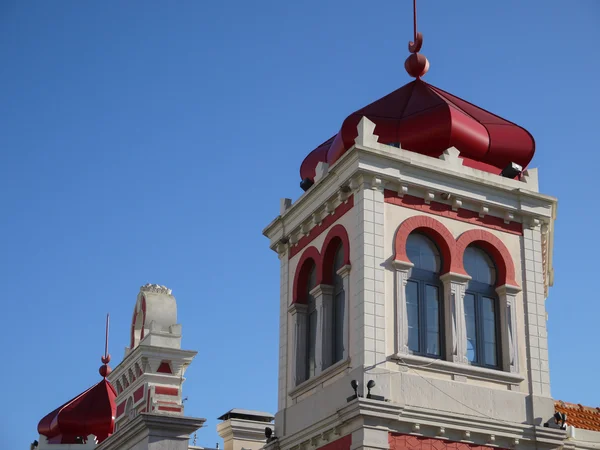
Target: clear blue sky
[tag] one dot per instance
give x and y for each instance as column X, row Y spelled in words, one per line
column 151, row 142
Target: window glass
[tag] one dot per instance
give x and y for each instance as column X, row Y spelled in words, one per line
column 471, row 327
column 479, row 266
column 423, row 253
column 489, row 331
column 312, row 343
column 433, row 320
column 480, row 308
column 338, row 307
column 412, row 310
column 338, row 346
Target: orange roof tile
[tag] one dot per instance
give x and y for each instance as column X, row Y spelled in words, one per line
column 579, row 416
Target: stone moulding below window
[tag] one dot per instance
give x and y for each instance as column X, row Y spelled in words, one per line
column 441, row 366
column 315, row 381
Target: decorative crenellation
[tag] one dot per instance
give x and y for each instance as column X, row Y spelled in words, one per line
column 156, row 289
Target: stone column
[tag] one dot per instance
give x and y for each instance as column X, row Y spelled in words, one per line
column 344, row 272
column 455, row 333
column 508, row 327
column 298, row 312
column 402, row 270
column 323, row 295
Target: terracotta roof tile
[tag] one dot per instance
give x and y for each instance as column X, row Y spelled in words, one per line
column 579, row 416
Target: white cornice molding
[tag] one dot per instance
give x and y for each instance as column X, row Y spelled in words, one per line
column 422, row 176
column 393, row 417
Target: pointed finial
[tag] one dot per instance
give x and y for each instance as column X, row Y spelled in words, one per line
column 105, row 369
column 416, row 64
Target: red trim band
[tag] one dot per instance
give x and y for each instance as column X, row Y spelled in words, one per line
column 462, row 215
column 164, row 390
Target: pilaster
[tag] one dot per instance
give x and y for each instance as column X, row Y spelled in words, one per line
column 344, row 273
column 369, row 296
column 401, row 277
column 455, row 286
column 508, row 326
column 283, row 326
column 298, row 315
column 535, row 310
column 323, row 295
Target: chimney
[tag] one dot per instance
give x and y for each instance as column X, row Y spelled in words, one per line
column 244, row 430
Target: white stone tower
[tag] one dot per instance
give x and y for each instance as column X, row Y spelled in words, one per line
column 421, row 274
column 150, row 377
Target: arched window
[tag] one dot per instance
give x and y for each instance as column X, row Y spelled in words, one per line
column 423, row 293
column 338, row 306
column 311, row 326
column 481, row 306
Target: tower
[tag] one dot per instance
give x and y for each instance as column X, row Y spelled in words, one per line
column 414, row 272
column 150, row 377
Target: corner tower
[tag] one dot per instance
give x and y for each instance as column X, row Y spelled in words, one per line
column 416, row 264
column 150, row 377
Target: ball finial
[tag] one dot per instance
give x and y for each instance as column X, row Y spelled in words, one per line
column 416, row 64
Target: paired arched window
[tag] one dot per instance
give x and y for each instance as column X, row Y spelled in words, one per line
column 319, row 307
column 423, row 296
column 481, row 308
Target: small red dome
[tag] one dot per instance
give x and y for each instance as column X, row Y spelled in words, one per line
column 427, row 120
column 91, row 412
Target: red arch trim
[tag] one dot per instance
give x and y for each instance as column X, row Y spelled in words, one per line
column 496, row 249
column 310, row 255
column 336, row 235
column 432, row 228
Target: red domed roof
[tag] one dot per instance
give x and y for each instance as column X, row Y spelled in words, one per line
column 91, row 412
column 428, row 120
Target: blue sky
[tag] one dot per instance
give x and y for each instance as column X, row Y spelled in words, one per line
column 151, row 142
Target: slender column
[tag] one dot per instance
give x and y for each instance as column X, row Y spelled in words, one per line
column 298, row 312
column 455, row 286
column 508, row 327
column 323, row 295
column 402, row 270
column 344, row 272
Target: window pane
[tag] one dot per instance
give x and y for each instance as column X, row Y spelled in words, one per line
column 338, row 259
column 312, row 278
column 423, row 253
column 479, row 266
column 489, row 331
column 471, row 327
column 412, row 312
column 432, row 320
column 338, row 334
column 312, row 343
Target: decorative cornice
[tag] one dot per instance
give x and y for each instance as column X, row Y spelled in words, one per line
column 156, row 289
column 149, row 424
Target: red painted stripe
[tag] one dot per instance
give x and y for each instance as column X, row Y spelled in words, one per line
column 328, row 220
column 163, row 390
column 138, row 394
column 462, row 215
column 120, row 409
column 342, row 443
column 169, row 408
column 164, row 368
